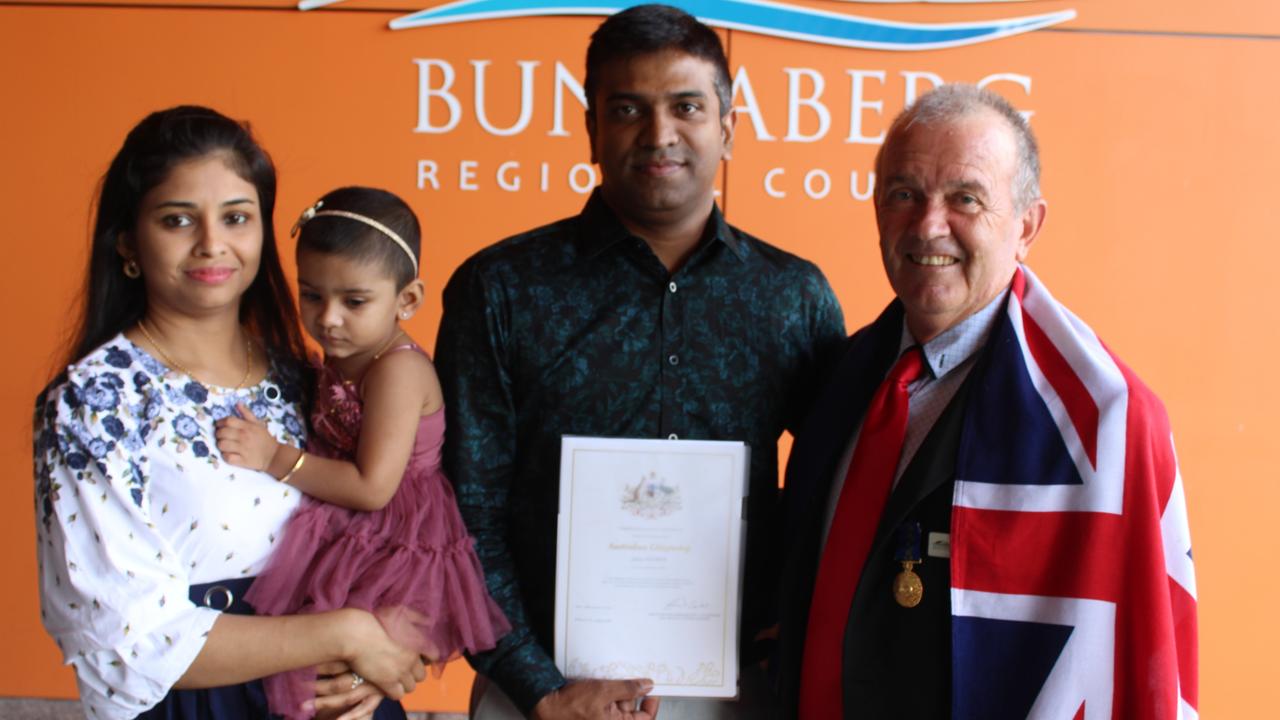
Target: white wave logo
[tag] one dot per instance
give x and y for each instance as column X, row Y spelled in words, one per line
column 757, row 16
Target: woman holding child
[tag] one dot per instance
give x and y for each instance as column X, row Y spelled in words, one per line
column 148, row 537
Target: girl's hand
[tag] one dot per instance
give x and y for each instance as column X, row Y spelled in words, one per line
column 245, row 440
column 340, row 697
column 395, row 670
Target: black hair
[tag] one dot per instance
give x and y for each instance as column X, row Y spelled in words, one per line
column 338, row 235
column 645, row 29
column 162, row 140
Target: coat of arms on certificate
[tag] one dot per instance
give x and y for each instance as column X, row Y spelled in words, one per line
column 652, row 496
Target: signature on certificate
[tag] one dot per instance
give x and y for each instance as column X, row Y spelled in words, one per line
column 684, row 603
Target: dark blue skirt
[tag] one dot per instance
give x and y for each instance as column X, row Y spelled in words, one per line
column 246, row 701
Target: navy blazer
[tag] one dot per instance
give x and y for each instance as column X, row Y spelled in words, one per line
column 896, row 661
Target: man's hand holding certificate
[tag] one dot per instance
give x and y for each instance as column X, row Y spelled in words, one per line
column 649, row 562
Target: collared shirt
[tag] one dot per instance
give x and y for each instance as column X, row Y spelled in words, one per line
column 577, row 328
column 948, row 359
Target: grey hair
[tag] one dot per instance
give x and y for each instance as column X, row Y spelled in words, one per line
column 954, row 101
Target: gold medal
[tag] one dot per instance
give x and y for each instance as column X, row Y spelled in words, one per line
column 908, row 589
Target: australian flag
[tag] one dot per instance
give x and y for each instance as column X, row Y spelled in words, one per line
column 1073, row 590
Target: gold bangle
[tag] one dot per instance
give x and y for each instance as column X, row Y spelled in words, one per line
column 302, row 457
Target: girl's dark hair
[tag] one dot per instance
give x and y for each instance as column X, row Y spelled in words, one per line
column 338, row 235
column 113, row 302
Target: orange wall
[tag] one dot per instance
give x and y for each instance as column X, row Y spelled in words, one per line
column 1156, row 121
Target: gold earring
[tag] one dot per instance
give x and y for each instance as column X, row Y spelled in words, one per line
column 131, row 269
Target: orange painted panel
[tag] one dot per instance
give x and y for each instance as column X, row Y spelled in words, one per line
column 1157, row 150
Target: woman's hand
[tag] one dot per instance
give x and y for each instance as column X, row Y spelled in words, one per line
column 245, row 441
column 396, row 670
column 244, row 647
column 408, row 627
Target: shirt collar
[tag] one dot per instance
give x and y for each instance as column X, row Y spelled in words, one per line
column 954, row 346
column 602, row 229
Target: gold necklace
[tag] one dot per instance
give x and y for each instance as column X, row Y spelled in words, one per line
column 383, row 349
column 248, row 358
column 388, row 345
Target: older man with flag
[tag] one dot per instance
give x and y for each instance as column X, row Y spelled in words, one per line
column 985, row 514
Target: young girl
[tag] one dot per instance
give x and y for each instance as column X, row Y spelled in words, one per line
column 401, row 550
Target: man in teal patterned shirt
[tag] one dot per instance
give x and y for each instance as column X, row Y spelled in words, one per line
column 645, row 316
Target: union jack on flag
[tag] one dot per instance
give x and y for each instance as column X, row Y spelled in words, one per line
column 1073, row 589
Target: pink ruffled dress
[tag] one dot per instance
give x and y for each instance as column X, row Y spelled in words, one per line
column 414, row 553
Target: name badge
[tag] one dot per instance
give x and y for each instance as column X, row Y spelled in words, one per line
column 939, row 545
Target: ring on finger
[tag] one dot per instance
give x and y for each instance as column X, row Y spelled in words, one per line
column 356, row 680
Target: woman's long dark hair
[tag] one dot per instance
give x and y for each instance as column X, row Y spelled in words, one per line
column 113, row 302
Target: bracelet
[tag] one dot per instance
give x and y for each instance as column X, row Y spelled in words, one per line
column 302, row 457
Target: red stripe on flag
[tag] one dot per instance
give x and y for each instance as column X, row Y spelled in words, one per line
column 1054, row 554
column 1148, row 667
column 1185, row 634
column 1075, row 396
column 1150, row 452
column 1147, row 417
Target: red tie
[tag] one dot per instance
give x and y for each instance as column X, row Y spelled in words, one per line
column 862, row 498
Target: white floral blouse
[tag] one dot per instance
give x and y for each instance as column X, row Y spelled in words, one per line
column 134, row 504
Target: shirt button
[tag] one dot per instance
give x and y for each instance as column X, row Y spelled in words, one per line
column 673, row 359
column 671, row 286
column 673, row 436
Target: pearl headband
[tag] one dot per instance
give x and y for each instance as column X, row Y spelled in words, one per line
column 314, row 212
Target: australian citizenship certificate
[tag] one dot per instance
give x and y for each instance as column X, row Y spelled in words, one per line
column 649, row 562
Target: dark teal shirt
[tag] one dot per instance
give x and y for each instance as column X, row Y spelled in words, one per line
column 577, row 328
